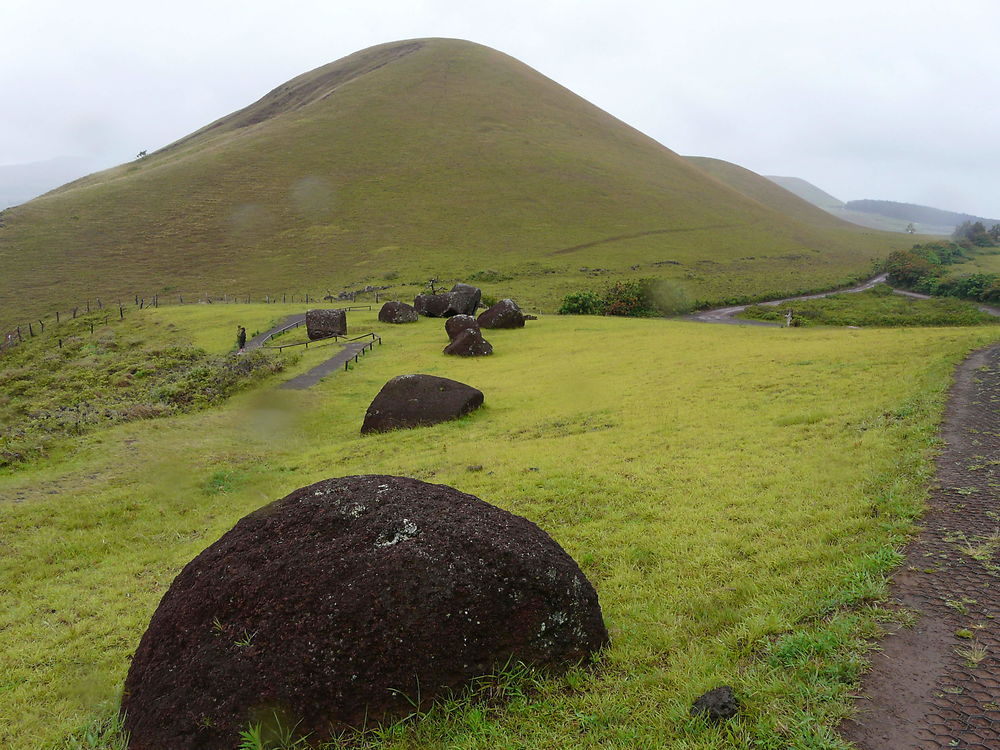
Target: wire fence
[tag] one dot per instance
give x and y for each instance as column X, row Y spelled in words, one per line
column 37, row 326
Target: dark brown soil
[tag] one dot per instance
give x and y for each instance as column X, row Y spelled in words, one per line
column 937, row 685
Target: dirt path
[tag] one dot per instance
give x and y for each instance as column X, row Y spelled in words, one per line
column 728, row 314
column 637, row 235
column 937, row 685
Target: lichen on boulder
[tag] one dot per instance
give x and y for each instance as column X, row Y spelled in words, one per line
column 322, row 324
column 504, row 314
column 469, row 343
column 397, row 312
column 346, row 602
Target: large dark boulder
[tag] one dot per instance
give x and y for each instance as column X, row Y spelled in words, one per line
column 431, row 305
column 397, row 312
column 419, row 400
column 463, row 299
column 458, row 323
column 469, row 343
column 342, row 602
column 504, row 314
column 322, row 324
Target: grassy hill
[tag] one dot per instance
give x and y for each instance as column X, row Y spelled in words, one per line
column 767, row 192
column 869, row 216
column 406, row 160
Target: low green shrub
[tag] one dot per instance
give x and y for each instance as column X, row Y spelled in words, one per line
column 635, row 298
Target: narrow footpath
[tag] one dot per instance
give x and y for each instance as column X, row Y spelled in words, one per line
column 320, row 371
column 728, row 314
column 937, row 685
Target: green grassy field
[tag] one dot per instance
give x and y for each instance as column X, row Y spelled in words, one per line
column 982, row 260
column 735, row 494
column 384, row 167
column 876, row 307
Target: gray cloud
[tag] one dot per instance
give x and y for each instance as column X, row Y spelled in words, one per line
column 884, row 99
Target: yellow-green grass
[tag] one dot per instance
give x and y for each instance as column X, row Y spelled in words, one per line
column 983, row 260
column 446, row 161
column 728, row 490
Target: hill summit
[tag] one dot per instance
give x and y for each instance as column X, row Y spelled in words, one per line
column 415, row 158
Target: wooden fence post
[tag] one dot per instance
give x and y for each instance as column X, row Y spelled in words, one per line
column 31, row 331
column 57, row 316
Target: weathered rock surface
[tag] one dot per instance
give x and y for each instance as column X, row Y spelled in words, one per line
column 717, row 704
column 458, row 323
column 321, row 324
column 463, row 299
column 469, row 343
column 431, row 305
column 397, row 312
column 504, row 314
column 335, row 604
column 419, row 400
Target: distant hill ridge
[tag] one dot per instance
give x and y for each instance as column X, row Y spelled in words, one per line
column 915, row 213
column 413, row 159
column 873, row 219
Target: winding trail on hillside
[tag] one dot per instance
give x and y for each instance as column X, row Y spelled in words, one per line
column 728, row 314
column 937, row 685
column 637, row 235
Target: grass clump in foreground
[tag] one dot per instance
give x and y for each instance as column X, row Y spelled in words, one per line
column 736, row 495
column 877, row 306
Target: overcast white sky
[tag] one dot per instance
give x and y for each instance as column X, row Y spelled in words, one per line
column 891, row 99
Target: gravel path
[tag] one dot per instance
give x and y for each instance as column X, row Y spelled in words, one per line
column 937, row 685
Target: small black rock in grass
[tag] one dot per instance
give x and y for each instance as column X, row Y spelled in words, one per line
column 419, row 400
column 716, row 705
column 351, row 602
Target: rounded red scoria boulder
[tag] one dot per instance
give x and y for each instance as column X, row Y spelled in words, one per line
column 342, row 602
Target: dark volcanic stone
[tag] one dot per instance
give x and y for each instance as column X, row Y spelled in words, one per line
column 504, row 314
column 463, row 299
column 321, row 324
column 458, row 323
column 335, row 604
column 417, row 400
column 717, row 704
column 397, row 312
column 469, row 343
column 431, row 305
